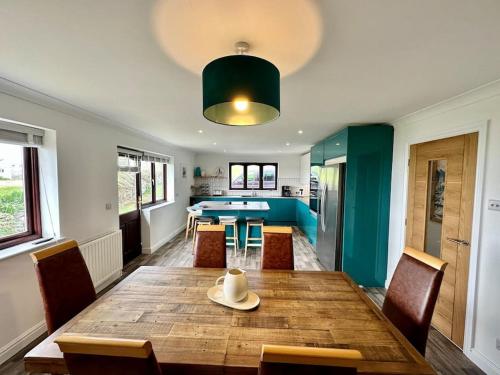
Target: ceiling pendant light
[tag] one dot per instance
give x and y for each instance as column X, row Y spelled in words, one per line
column 241, row 90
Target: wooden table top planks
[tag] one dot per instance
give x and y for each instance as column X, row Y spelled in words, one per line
column 169, row 306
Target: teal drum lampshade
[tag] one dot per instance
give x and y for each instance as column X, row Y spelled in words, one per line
column 241, row 90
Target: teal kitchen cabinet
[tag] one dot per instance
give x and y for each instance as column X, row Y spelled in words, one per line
column 306, row 221
column 335, row 146
column 367, row 201
column 368, row 152
column 317, row 154
column 282, row 211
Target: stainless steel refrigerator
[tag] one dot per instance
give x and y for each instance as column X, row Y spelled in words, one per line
column 330, row 214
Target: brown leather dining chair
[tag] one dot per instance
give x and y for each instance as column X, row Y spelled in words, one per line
column 412, row 295
column 108, row 356
column 277, row 252
column 291, row 360
column 65, row 283
column 210, row 247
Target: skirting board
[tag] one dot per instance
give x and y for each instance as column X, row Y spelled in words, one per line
column 483, row 362
column 152, row 249
column 21, row 341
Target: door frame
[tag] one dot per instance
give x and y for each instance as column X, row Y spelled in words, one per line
column 481, row 127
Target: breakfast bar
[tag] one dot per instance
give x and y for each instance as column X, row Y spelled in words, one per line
column 239, row 209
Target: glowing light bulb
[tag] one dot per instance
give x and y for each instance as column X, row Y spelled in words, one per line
column 240, row 104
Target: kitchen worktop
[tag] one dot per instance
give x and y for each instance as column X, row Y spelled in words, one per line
column 302, row 198
column 233, row 206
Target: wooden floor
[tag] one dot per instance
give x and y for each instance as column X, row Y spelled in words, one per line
column 445, row 357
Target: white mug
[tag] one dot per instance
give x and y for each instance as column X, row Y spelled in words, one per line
column 235, row 285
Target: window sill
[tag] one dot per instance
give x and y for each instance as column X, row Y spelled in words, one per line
column 156, row 206
column 26, row 247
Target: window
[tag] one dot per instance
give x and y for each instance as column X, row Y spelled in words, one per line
column 253, row 176
column 142, row 179
column 147, row 182
column 20, row 219
column 160, row 181
column 153, row 182
column 128, row 183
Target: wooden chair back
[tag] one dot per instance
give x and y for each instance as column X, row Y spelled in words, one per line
column 93, row 355
column 294, row 360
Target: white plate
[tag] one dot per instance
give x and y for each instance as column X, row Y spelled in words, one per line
column 216, row 294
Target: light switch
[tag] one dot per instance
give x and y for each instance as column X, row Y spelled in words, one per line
column 498, row 343
column 494, row 205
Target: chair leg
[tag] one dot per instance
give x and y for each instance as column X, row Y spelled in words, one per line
column 246, row 240
column 195, row 228
column 235, row 238
column 188, row 226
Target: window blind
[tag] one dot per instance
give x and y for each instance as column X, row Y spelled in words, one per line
column 11, row 132
column 155, row 158
column 128, row 159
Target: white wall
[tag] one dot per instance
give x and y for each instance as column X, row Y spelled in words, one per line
column 87, row 180
column 305, row 168
column 289, row 166
column 468, row 111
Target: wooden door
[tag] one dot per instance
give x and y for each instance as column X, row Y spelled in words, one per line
column 130, row 214
column 441, row 186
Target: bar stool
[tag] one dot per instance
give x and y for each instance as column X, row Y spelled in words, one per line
column 233, row 222
column 200, row 220
column 192, row 215
column 253, row 222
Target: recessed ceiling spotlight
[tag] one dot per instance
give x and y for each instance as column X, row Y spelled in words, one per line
column 224, row 150
column 337, row 144
column 300, row 132
column 200, row 131
column 215, row 143
column 287, row 144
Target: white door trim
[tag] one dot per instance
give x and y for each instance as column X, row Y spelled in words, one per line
column 480, row 126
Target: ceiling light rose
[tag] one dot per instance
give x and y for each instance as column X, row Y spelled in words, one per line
column 241, row 90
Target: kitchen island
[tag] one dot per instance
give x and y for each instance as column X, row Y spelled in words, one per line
column 288, row 211
column 240, row 209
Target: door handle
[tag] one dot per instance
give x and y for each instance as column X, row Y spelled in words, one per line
column 323, row 202
column 458, row 241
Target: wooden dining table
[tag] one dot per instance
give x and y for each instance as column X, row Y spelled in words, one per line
column 191, row 334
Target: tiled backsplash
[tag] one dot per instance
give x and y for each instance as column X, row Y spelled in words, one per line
column 207, row 186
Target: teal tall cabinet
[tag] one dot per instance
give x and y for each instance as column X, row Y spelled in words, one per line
column 368, row 150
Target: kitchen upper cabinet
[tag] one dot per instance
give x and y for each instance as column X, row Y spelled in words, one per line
column 317, row 154
column 336, row 145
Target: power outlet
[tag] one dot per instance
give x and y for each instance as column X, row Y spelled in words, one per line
column 108, row 206
column 494, row 205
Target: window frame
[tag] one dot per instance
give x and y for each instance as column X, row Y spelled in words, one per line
column 32, row 199
column 154, row 201
column 245, row 176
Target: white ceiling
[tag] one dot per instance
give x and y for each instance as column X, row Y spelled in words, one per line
column 378, row 60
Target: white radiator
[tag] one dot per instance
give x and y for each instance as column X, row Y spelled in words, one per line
column 104, row 258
